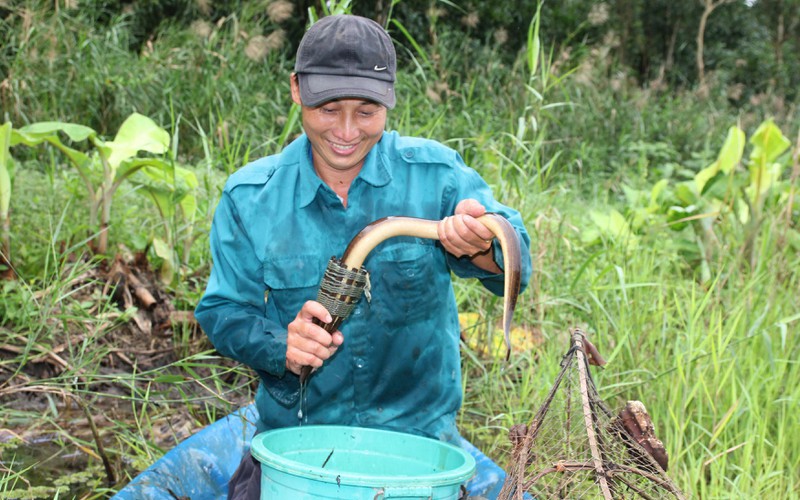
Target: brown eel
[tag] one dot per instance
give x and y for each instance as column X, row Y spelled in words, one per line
column 388, row 227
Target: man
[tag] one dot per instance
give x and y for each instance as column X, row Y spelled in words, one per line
column 395, row 364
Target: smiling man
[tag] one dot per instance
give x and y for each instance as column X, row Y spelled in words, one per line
column 395, row 364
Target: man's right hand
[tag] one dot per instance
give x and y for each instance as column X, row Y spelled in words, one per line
column 308, row 344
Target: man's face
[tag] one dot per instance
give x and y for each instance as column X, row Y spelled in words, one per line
column 342, row 132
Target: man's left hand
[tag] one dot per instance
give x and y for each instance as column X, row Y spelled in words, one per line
column 462, row 234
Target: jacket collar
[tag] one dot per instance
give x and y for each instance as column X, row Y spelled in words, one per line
column 375, row 171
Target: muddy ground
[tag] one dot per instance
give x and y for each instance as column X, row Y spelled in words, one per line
column 77, row 404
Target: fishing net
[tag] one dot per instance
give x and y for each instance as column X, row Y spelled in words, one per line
column 576, row 447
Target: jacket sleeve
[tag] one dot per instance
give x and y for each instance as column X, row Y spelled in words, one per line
column 467, row 183
column 233, row 311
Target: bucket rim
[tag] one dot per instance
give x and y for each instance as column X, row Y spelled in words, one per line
column 282, row 464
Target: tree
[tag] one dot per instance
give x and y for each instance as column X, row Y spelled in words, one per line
column 708, row 7
column 783, row 19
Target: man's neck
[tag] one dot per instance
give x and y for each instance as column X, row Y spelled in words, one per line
column 338, row 180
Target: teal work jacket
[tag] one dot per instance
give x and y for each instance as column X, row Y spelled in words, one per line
column 274, row 230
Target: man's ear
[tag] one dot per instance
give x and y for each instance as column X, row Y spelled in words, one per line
column 294, row 81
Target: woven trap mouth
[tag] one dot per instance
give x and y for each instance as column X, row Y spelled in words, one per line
column 340, row 290
column 576, row 447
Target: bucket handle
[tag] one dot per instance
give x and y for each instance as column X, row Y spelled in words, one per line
column 404, row 492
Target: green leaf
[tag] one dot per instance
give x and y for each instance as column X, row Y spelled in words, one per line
column 169, row 258
column 702, row 177
column 590, row 236
column 686, row 193
column 729, row 156
column 137, row 133
column 768, row 143
column 20, row 137
column 335, row 7
column 635, row 197
column 417, row 47
column 291, row 123
column 741, row 210
column 159, row 176
column 677, row 216
column 162, row 198
column 731, row 153
column 75, row 132
column 167, row 272
column 639, row 218
column 534, row 42
column 170, row 187
column 162, row 249
column 614, row 226
column 723, row 187
column 168, row 379
column 655, row 195
column 188, row 206
column 763, row 178
column 132, row 166
column 27, row 138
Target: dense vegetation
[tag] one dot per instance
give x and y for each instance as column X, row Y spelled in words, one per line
column 660, row 190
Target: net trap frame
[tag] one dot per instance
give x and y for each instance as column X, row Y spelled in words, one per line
column 576, row 447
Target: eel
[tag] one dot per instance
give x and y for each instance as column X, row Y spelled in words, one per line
column 382, row 229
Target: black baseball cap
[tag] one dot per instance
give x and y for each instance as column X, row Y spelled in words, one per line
column 346, row 56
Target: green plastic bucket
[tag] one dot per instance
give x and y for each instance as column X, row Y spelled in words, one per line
column 327, row 461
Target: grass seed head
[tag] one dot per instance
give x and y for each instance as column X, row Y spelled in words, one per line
column 203, row 6
column 501, row 36
column 471, row 20
column 259, row 46
column 201, row 28
column 280, row 11
column 598, row 14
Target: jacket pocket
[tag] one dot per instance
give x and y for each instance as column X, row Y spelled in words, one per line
column 291, row 280
column 288, row 272
column 407, row 277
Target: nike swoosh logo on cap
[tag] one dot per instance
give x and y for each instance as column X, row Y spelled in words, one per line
column 379, row 68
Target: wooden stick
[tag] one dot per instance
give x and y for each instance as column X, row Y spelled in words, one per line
column 589, row 421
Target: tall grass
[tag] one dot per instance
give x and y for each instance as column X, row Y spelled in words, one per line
column 716, row 366
column 715, row 362
column 204, row 71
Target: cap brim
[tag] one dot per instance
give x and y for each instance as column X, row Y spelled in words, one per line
column 318, row 89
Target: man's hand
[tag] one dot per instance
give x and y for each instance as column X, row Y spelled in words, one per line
column 462, row 235
column 308, row 344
